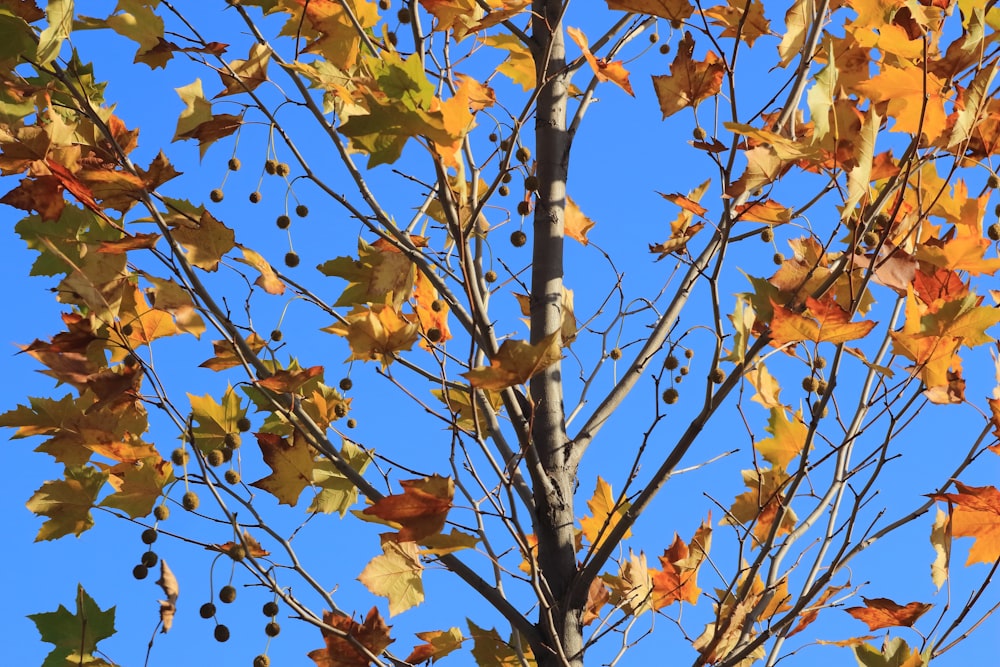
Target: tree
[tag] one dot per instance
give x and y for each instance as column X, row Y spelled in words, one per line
column 551, row 396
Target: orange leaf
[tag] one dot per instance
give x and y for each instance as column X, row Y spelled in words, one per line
column 420, row 510
column 373, row 634
column 826, row 323
column 614, row 71
column 515, row 363
column 881, row 613
column 678, row 580
column 605, row 513
column 268, row 279
column 976, row 513
column 291, row 464
column 577, row 225
column 904, row 90
column 690, row 81
column 685, row 203
column 285, row 381
column 673, row 10
column 768, row 211
column 376, row 332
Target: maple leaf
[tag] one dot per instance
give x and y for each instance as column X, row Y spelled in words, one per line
column 396, row 575
column 377, row 276
column 446, row 543
column 432, row 312
column 247, row 74
column 289, row 381
column 252, row 548
column 138, row 485
column 174, row 299
column 515, row 363
column 879, row 613
column 632, row 587
column 673, row 10
column 597, row 596
column 67, row 502
column 268, row 280
column 614, row 71
column 894, row 653
column 761, row 504
column 904, row 90
column 206, row 241
column 770, row 212
column 826, row 322
column 457, row 15
column 576, row 224
column 197, row 120
column 439, row 643
column 519, row 66
column 75, row 635
column 459, row 402
column 788, row 437
column 743, row 20
column 690, row 81
column 975, row 513
column 291, row 463
column 605, row 513
column 767, row 389
column 373, row 634
column 376, row 332
column 336, row 492
column 214, row 421
column 678, row 580
column 419, row 511
column 489, row 650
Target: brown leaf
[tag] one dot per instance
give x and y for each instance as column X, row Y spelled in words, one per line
column 373, row 635
column 168, row 607
column 881, row 613
column 420, row 510
column 516, row 362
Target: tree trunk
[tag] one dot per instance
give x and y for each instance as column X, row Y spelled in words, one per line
column 561, row 623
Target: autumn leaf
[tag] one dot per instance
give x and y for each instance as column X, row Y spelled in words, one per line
column 824, row 322
column 519, row 65
column 672, row 10
column 138, row 485
column 336, row 493
column 379, row 275
column 690, row 81
column 605, row 513
column 226, row 355
column 459, row 402
column 246, row 75
column 879, row 613
column 632, row 587
column 373, row 634
column 213, row 421
column 941, row 541
column 515, row 363
column 438, row 643
column 894, row 653
column 762, row 503
column 488, row 650
column 576, row 224
column 743, row 20
column 75, row 635
column 171, row 590
column 67, row 502
column 788, row 437
column 396, row 575
column 904, row 89
column 286, row 381
column 678, row 580
column 614, row 71
column 291, row 463
column 206, row 241
column 767, row 389
column 268, row 280
column 197, row 120
column 420, row 510
column 598, row 595
column 975, row 513
column 376, row 332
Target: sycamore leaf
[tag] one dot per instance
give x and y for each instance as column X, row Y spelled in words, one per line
column 768, row 390
column 206, row 242
column 59, row 15
column 226, row 355
column 788, row 437
column 632, row 587
column 268, row 279
column 67, row 502
column 761, row 504
column 137, row 21
column 336, row 492
column 439, row 643
column 975, row 513
column 678, row 580
column 690, row 81
column 446, row 543
column 941, row 541
column 252, row 547
column 740, row 19
column 396, row 575
column 376, row 332
column 214, row 421
column 138, row 485
column 75, row 635
column 598, row 595
column 672, row 10
column 519, row 66
column 291, row 463
column 373, row 634
column 432, row 312
column 904, row 89
column 289, row 380
column 515, row 363
column 381, row 274
column 419, row 511
column 770, row 212
column 168, row 583
column 614, row 72
column 198, row 109
column 894, row 653
column 879, row 613
column 605, row 513
column 249, row 73
column 489, row 650
column 577, row 225
column 825, row 322
column 459, row 402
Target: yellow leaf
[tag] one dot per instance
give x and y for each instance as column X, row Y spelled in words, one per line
column 614, row 71
column 767, row 387
column 396, row 575
column 690, row 81
column 604, row 515
column 577, row 225
column 268, row 279
column 376, row 332
column 516, row 362
column 788, row 437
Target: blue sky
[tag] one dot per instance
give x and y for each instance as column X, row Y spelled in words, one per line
column 625, row 155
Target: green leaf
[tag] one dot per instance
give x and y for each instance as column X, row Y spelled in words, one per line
column 140, row 486
column 75, row 635
column 17, row 40
column 337, row 493
column 215, row 420
column 60, row 18
column 67, row 502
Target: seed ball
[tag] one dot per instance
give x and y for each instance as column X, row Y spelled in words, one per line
column 684, row 370
column 490, row 276
column 140, row 571
column 232, row 477
column 688, row 353
column 302, row 210
column 161, row 512
column 238, row 552
column 383, row 4
column 518, row 238
column 346, row 384
column 670, row 396
column 403, row 15
column 234, row 164
column 505, row 145
column 233, row 440
column 503, row 191
column 190, row 501
column 340, row 410
column 821, row 387
column 531, row 183
column 523, row 154
column 216, row 458
column 207, row 610
column 216, row 195
column 664, row 49
column 506, row 178
column 437, row 305
column 993, row 182
column 149, row 536
column 523, row 207
column 819, row 362
column 272, row 629
column 870, row 239
column 615, row 353
column 270, row 608
column 671, row 362
column 653, row 38
column 676, row 24
column 283, row 222
column 996, row 210
column 821, row 413
column 809, row 384
column 493, row 137
column 767, row 235
column 392, row 39
column 283, row 169
column 227, row 594
column 699, row 133
column 351, row 423
column 717, row 376
column 180, row 456
column 291, row 259
column 271, row 166
column 276, row 335
column 263, row 660
column 433, row 334
column 149, row 559
column 126, row 330
column 993, row 231
column 221, row 633
column 778, row 258
column 255, row 197
column 243, row 424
